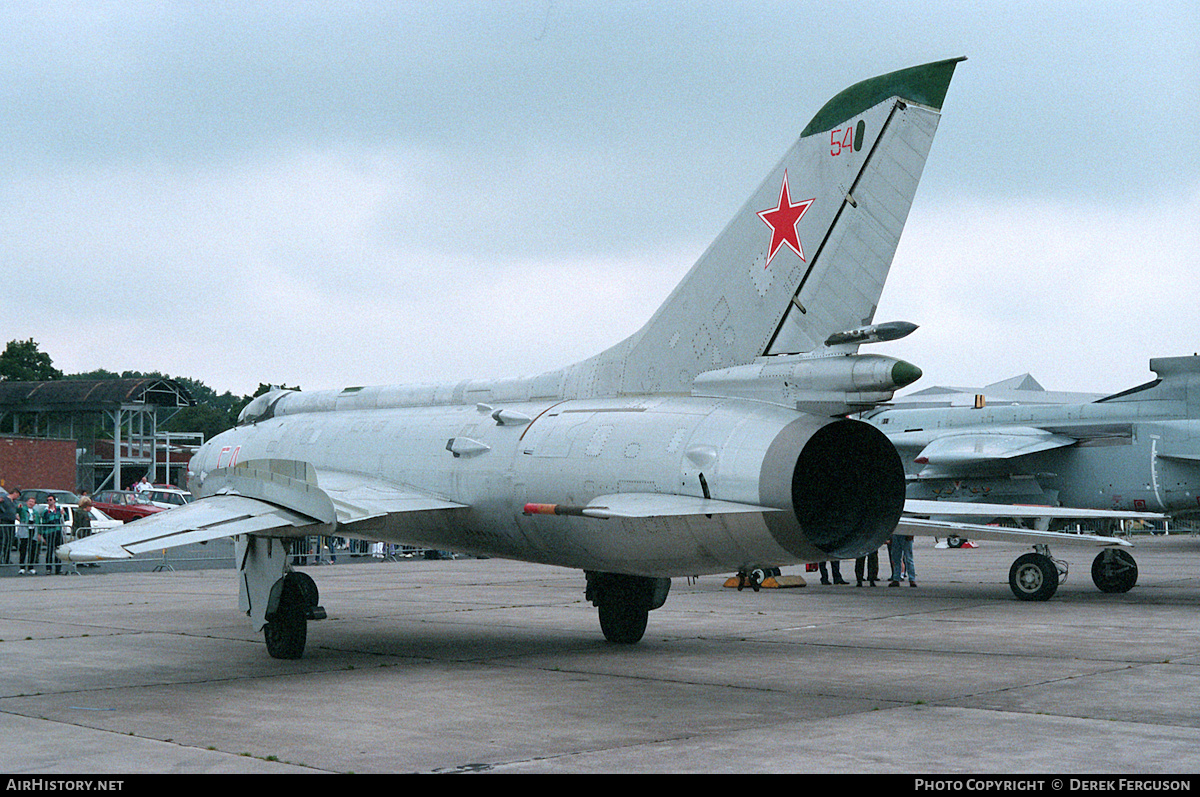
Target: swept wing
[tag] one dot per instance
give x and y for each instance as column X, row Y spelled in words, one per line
column 266, row 498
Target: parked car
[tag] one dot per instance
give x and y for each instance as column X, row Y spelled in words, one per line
column 100, row 520
column 39, row 496
column 167, row 497
column 125, row 505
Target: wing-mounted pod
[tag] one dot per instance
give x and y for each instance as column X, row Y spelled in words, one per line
column 873, row 333
column 827, row 385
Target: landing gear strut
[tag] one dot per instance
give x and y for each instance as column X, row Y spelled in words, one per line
column 624, row 603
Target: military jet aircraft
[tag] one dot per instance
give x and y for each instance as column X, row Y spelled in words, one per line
column 712, row 440
column 1136, row 451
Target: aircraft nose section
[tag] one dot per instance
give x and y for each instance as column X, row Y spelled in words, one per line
column 905, row 373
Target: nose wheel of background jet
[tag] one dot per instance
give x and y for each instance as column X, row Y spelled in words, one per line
column 1033, row 577
column 1114, row 570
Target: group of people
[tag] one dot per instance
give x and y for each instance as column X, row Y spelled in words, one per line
column 900, row 555
column 35, row 529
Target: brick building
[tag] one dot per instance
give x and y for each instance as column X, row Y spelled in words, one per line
column 33, row 462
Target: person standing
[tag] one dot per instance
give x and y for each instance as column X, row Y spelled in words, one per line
column 81, row 522
column 8, row 524
column 902, row 560
column 836, row 567
column 27, row 531
column 50, row 523
column 871, row 564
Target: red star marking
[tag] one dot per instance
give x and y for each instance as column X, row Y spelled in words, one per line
column 782, row 219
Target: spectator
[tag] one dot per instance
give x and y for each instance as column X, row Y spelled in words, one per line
column 871, row 563
column 81, row 525
column 50, row 523
column 901, row 554
column 27, row 547
column 8, row 523
column 836, row 566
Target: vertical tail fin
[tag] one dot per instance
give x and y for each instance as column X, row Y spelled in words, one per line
column 805, row 257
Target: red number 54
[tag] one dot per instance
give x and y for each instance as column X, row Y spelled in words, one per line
column 841, row 140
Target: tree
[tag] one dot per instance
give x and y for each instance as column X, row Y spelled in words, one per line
column 22, row 361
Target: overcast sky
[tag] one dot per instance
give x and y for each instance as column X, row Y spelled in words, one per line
column 331, row 194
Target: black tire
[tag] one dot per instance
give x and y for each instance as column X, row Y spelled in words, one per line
column 310, row 596
column 1033, row 577
column 286, row 631
column 622, row 625
column 1114, row 570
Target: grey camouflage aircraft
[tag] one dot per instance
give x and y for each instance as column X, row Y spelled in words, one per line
column 1137, row 450
column 713, row 440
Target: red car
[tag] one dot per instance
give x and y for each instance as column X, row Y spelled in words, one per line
column 125, row 505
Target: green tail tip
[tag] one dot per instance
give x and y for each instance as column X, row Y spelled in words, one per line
column 925, row 84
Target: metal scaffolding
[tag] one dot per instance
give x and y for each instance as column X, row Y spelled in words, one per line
column 115, row 422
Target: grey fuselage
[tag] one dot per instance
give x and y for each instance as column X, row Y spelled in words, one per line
column 571, row 451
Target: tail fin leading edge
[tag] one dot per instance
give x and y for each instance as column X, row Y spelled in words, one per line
column 805, row 257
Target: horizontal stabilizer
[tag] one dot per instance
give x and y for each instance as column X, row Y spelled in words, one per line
column 945, row 528
column 646, row 505
column 945, row 509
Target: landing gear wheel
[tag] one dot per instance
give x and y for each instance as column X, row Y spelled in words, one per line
column 1033, row 577
column 286, row 631
column 622, row 625
column 1114, row 570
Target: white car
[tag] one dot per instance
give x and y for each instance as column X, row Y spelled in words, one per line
column 167, row 497
column 100, row 521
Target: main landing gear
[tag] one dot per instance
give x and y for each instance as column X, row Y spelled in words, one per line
column 625, row 603
column 1035, row 576
column 755, row 578
column 293, row 603
column 1114, row 570
column 279, row 601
